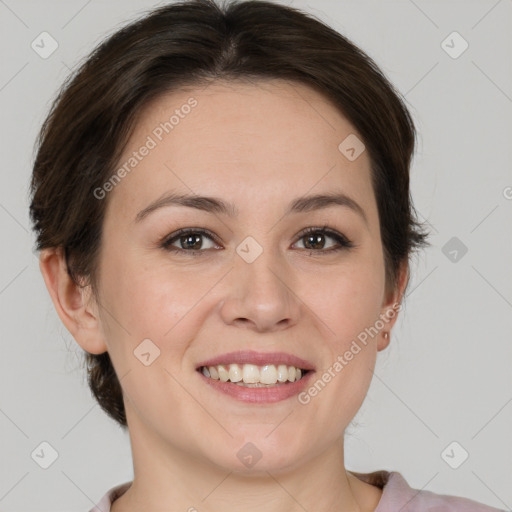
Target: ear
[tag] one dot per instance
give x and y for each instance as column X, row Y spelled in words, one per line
column 72, row 302
column 391, row 305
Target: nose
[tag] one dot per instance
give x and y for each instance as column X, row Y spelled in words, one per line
column 260, row 295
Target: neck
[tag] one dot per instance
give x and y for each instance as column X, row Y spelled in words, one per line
column 168, row 477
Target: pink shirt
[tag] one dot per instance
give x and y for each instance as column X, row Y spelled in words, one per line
column 396, row 496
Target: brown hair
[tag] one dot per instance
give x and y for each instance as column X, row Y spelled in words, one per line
column 194, row 43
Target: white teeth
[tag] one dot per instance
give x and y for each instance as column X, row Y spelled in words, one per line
column 268, row 374
column 250, row 374
column 235, row 373
column 223, row 373
column 253, row 375
column 282, row 373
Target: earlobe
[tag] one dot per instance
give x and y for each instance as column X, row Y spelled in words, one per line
column 383, row 340
column 392, row 306
column 69, row 300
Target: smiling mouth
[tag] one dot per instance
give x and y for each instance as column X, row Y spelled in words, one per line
column 254, row 376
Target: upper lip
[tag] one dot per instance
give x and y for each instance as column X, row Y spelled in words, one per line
column 258, row 358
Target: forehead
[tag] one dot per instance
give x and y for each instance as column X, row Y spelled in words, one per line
column 242, row 141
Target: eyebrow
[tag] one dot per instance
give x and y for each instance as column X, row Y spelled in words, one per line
column 216, row 205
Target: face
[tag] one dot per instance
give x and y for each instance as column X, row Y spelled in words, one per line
column 247, row 279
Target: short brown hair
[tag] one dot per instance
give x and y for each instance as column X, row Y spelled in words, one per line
column 194, row 43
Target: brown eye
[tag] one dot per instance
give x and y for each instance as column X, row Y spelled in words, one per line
column 193, row 242
column 187, row 240
column 315, row 240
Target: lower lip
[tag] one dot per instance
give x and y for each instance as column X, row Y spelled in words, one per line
column 259, row 395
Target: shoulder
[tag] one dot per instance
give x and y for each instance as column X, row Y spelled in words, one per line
column 398, row 495
column 106, row 501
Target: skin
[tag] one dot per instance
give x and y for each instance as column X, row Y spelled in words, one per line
column 184, row 435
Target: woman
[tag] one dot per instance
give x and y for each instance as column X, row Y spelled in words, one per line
column 221, row 199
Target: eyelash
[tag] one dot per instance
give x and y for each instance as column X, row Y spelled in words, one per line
column 344, row 242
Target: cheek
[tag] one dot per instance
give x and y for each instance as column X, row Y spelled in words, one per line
column 146, row 299
column 348, row 303
column 145, row 305
column 347, row 299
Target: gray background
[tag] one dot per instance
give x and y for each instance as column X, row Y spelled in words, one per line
column 447, row 374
